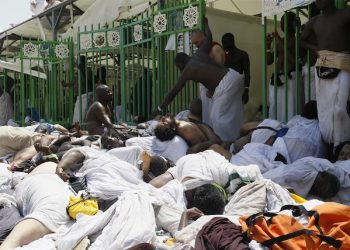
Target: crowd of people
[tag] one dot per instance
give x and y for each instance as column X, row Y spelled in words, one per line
column 200, row 179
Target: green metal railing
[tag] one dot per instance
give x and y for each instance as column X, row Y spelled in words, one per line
column 138, row 67
column 304, row 82
column 39, row 90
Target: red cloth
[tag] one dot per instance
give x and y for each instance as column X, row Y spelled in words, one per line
column 220, row 234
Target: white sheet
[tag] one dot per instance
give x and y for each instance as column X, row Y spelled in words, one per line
column 172, row 150
column 302, row 139
column 332, row 96
column 227, row 108
column 128, row 222
column 195, row 170
column 281, row 99
column 258, row 154
column 44, row 197
column 262, row 135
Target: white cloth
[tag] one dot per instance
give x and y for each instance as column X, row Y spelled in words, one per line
column 302, row 139
column 300, row 175
column 8, row 179
column 262, row 135
column 86, row 101
column 258, row 154
column 172, row 150
column 281, row 99
column 206, row 105
column 13, row 139
column 107, row 177
column 182, row 115
column 257, row 197
column 227, row 107
column 37, row 6
column 309, row 89
column 341, row 169
column 44, row 197
column 195, row 170
column 332, row 96
column 126, row 223
column 6, row 109
column 130, row 154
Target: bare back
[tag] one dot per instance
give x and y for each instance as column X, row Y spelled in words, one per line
column 201, row 68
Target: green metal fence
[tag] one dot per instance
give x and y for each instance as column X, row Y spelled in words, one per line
column 135, row 57
column 39, row 90
column 283, row 102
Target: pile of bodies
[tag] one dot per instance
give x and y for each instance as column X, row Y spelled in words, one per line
column 171, row 185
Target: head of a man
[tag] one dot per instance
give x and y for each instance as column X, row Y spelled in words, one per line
column 166, row 128
column 325, row 186
column 292, row 22
column 343, row 151
column 310, row 110
column 109, row 142
column 209, row 199
column 198, row 37
column 158, row 165
column 228, row 41
column 325, row 4
column 104, row 93
column 181, row 60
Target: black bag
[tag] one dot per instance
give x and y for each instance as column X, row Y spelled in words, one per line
column 327, row 73
column 77, row 183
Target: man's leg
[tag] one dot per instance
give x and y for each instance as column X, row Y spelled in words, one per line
column 23, row 233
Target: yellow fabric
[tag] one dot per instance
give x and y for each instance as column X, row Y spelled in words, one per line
column 80, row 205
column 297, row 198
column 335, row 60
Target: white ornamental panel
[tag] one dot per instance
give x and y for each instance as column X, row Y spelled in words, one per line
column 137, row 32
column 113, row 38
column 100, row 40
column 85, row 42
column 190, row 16
column 62, row 51
column 30, row 50
column 159, row 23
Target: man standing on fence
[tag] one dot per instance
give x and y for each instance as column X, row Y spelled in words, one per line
column 226, row 86
column 331, row 29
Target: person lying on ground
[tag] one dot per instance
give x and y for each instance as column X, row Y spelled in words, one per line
column 199, row 137
column 42, row 198
column 208, row 167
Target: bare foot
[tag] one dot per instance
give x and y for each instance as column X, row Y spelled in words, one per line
column 146, row 159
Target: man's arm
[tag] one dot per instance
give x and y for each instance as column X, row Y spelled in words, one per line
column 102, row 116
column 161, row 180
column 177, row 88
column 306, row 34
column 207, row 43
column 72, row 161
column 246, row 69
column 212, row 139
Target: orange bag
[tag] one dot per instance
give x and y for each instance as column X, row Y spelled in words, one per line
column 328, row 228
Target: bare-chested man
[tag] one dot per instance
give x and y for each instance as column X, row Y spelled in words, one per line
column 225, row 84
column 331, row 29
column 238, row 60
column 99, row 115
column 216, row 53
column 199, row 137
